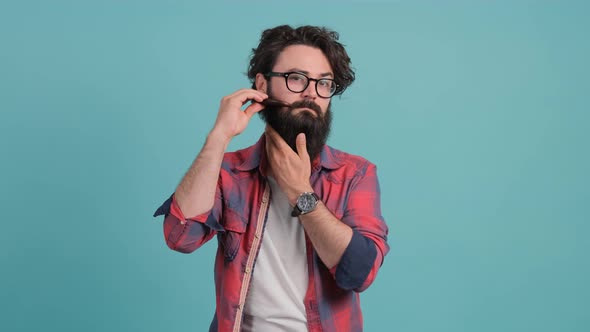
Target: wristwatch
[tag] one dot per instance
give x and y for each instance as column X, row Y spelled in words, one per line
column 306, row 203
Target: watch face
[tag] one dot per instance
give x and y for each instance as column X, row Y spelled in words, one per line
column 306, row 202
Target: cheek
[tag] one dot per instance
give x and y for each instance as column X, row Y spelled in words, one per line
column 274, row 90
column 324, row 104
column 280, row 89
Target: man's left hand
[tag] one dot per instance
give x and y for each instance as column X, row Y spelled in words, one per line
column 291, row 170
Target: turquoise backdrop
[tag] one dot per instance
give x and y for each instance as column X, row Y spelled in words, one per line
column 476, row 113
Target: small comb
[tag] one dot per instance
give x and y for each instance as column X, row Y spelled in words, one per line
column 275, row 103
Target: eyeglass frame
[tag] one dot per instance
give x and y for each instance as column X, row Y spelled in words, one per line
column 309, row 79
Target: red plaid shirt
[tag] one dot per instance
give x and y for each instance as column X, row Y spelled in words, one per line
column 346, row 184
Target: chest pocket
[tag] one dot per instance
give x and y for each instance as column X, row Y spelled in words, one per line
column 230, row 239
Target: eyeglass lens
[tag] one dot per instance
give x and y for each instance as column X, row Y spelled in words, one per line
column 298, row 82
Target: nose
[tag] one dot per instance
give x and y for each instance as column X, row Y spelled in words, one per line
column 310, row 92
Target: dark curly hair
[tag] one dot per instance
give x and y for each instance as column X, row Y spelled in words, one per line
column 273, row 41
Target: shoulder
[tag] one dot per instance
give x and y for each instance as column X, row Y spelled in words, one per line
column 244, row 159
column 337, row 159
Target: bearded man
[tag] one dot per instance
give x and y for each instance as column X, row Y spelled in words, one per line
column 299, row 225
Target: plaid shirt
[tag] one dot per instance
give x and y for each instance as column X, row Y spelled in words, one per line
column 349, row 188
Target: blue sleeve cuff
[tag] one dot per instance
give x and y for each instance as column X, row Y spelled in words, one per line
column 356, row 262
column 164, row 209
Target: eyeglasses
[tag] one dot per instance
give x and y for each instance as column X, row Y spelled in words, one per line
column 298, row 82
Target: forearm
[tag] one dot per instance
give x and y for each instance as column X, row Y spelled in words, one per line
column 196, row 192
column 351, row 257
column 330, row 237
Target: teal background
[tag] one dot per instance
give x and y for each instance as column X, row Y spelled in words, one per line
column 476, row 114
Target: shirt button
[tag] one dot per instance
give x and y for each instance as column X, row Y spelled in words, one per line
column 247, row 270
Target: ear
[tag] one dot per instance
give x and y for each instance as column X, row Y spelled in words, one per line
column 261, row 83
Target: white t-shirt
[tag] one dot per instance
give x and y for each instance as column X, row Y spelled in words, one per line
column 279, row 281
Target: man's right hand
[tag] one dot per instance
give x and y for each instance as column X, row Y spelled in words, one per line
column 231, row 119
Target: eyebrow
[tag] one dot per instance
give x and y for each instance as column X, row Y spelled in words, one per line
column 307, row 73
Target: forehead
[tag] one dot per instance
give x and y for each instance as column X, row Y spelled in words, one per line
column 303, row 57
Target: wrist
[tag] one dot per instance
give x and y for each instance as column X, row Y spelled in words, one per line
column 306, row 203
column 217, row 135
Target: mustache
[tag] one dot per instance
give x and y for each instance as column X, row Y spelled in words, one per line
column 307, row 104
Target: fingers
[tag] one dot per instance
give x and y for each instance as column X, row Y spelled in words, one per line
column 301, row 145
column 253, row 109
column 246, row 95
column 242, row 96
column 275, row 139
column 270, row 135
column 231, row 119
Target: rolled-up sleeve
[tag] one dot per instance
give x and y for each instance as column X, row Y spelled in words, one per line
column 364, row 254
column 187, row 234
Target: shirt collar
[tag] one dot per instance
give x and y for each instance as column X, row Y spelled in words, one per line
column 255, row 156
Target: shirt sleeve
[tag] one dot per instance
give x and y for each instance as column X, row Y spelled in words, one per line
column 187, row 234
column 364, row 254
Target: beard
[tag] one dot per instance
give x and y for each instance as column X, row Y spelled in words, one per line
column 288, row 125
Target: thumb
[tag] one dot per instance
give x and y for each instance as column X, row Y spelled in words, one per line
column 253, row 109
column 301, row 146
